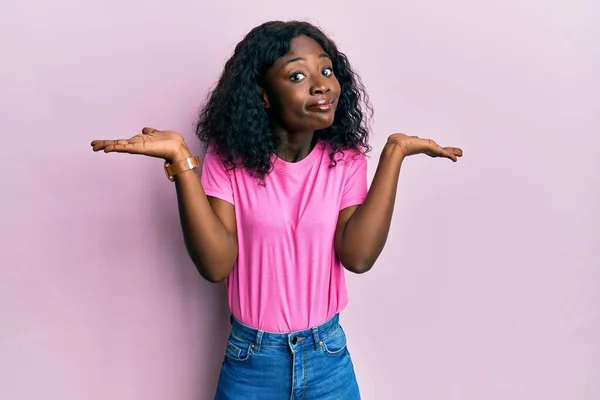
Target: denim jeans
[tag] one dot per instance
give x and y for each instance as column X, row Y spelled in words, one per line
column 313, row 364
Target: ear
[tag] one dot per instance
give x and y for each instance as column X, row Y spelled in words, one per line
column 265, row 97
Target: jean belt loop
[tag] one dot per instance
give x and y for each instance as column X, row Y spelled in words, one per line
column 256, row 345
column 315, row 332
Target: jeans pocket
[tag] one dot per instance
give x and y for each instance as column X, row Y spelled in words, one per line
column 237, row 349
column 335, row 343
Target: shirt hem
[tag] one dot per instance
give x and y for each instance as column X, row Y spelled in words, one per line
column 356, row 201
column 219, row 195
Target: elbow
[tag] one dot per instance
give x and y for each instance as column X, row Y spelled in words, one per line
column 358, row 257
column 358, row 266
column 213, row 273
column 214, row 278
column 211, row 269
column 357, row 262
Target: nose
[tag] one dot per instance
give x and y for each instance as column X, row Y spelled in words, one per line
column 320, row 86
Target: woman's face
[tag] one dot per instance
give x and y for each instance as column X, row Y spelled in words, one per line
column 301, row 90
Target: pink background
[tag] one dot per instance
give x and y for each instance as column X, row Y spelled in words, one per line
column 489, row 287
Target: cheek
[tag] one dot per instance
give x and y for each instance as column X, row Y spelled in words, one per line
column 289, row 110
column 286, row 100
column 337, row 88
column 291, row 105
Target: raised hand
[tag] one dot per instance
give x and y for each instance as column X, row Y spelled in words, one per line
column 411, row 145
column 151, row 142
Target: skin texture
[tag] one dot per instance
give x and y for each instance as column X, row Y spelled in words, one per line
column 292, row 86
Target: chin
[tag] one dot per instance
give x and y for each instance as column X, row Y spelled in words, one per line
column 310, row 122
column 322, row 123
column 325, row 126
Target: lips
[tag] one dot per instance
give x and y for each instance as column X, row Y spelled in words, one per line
column 321, row 105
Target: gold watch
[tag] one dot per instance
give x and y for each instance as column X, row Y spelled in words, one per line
column 181, row 166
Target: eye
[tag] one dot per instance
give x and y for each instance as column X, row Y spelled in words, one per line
column 328, row 71
column 297, row 77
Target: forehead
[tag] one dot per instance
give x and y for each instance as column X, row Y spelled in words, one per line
column 302, row 47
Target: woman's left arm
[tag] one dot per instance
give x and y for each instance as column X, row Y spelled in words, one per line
column 362, row 230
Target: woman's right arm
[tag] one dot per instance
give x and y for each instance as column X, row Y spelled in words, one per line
column 208, row 224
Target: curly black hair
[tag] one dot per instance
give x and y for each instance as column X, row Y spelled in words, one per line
column 234, row 121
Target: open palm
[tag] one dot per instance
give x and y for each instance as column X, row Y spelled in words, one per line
column 412, row 145
column 151, row 142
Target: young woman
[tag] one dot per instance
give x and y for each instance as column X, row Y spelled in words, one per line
column 282, row 207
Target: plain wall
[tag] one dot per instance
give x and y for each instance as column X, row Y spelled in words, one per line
column 489, row 287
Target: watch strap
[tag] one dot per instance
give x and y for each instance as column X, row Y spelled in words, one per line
column 181, row 166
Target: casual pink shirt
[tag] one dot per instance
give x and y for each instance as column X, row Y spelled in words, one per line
column 287, row 276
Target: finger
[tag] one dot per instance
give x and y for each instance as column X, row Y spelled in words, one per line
column 132, row 144
column 98, row 145
column 148, row 130
column 435, row 150
column 449, row 154
column 456, row 151
column 453, row 152
column 126, row 146
column 98, row 142
column 446, row 152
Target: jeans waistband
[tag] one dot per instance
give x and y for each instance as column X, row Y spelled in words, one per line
column 258, row 338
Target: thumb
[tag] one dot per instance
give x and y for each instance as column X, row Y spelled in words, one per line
column 148, row 130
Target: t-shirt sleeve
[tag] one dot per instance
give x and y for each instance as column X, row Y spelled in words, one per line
column 215, row 178
column 355, row 186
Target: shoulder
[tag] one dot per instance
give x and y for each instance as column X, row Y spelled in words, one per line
column 215, row 159
column 214, row 166
column 211, row 152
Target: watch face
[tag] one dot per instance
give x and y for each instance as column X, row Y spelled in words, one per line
column 168, row 172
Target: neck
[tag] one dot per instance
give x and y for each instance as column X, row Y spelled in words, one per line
column 293, row 147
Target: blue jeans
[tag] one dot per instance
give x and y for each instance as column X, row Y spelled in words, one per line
column 313, row 364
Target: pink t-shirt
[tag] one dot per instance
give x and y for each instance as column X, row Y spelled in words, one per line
column 287, row 276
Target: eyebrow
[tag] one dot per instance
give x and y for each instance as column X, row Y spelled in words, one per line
column 295, row 59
